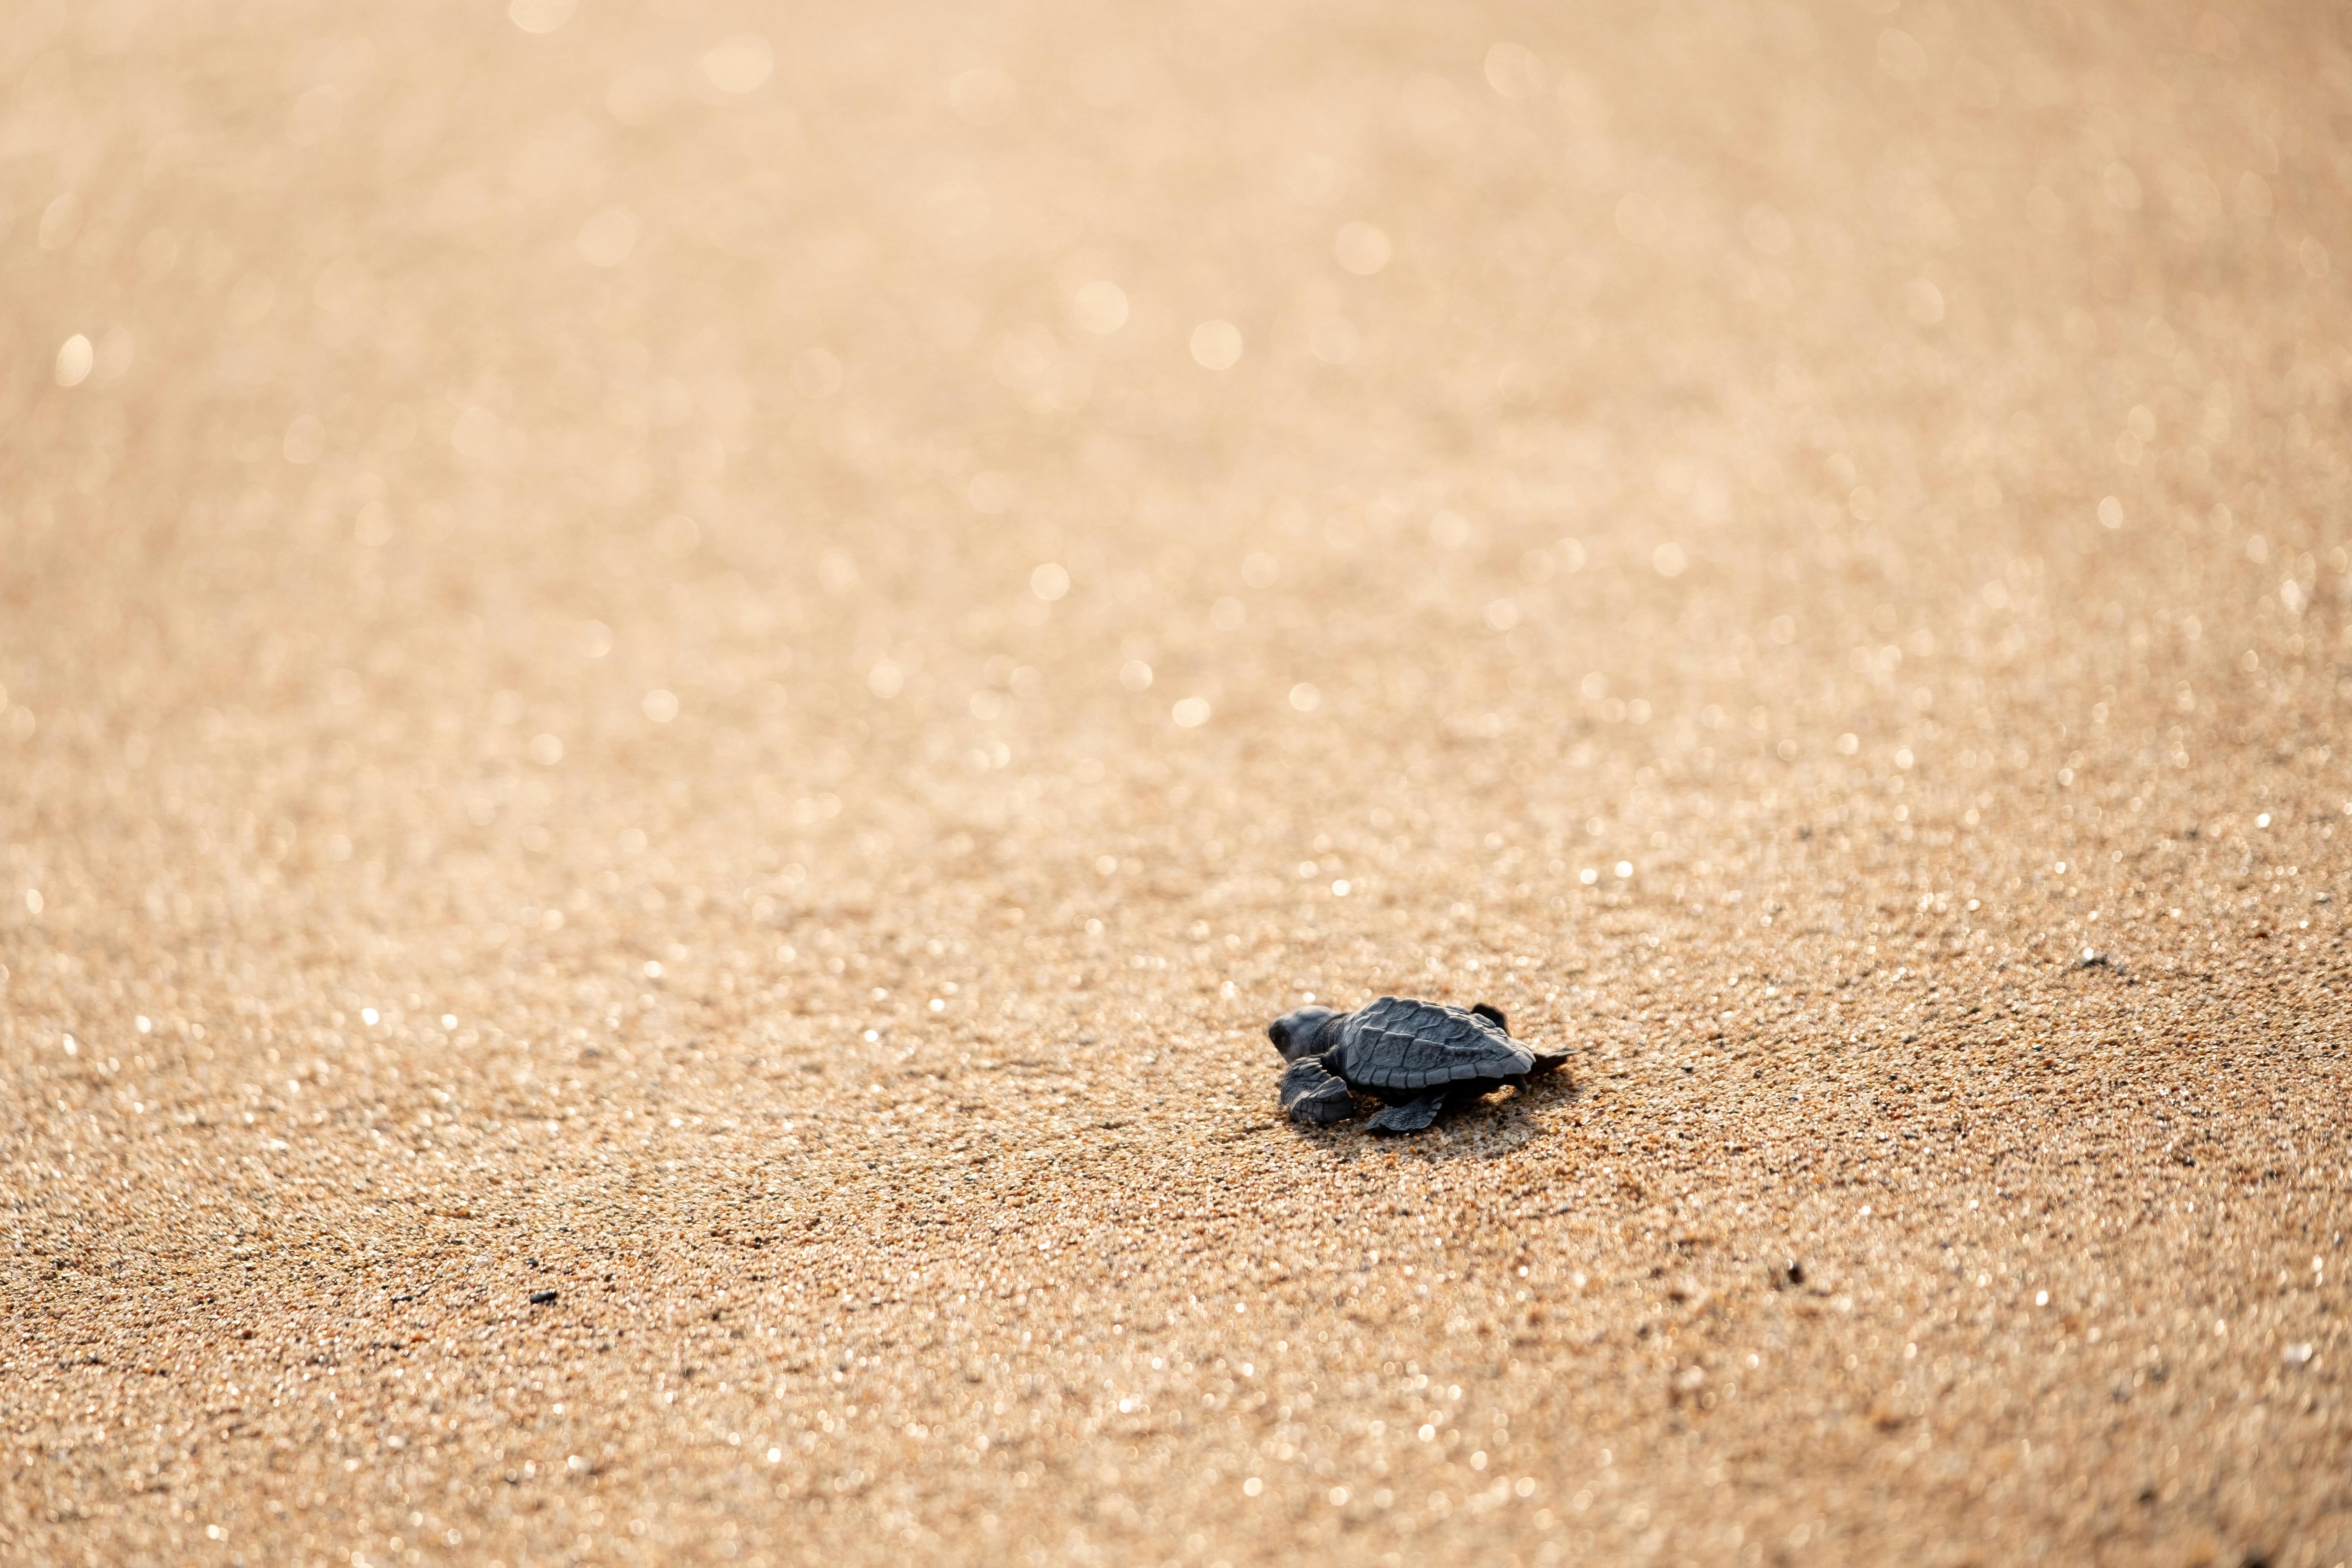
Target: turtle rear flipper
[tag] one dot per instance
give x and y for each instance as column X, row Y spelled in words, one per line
column 1551, row 1063
column 1411, row 1116
column 1312, row 1093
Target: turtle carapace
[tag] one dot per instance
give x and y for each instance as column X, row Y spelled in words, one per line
column 1419, row 1057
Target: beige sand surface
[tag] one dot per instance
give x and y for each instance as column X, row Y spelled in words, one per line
column 617, row 948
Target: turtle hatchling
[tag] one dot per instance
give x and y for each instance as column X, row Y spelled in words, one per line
column 1419, row 1057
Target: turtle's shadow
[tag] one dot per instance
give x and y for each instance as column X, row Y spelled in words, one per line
column 1497, row 1125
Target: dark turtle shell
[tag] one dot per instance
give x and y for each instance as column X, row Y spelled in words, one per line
column 1396, row 1043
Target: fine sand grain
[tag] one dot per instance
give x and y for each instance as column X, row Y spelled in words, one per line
column 682, row 679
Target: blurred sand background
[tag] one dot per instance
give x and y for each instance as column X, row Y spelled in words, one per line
column 721, row 658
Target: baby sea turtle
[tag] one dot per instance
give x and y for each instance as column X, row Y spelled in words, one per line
column 1419, row 1057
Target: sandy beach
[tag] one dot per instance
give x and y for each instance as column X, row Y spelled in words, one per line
column 679, row 682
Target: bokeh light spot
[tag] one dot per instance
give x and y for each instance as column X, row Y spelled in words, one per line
column 607, row 239
column 306, row 439
column 60, row 221
column 1099, row 307
column 1361, row 248
column 1901, row 56
column 1515, row 71
column 1217, row 345
column 816, row 374
column 74, row 358
column 984, row 97
column 991, row 492
column 739, row 64
column 1334, row 340
column 541, row 16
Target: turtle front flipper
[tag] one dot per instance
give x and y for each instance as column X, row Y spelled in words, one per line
column 1313, row 1093
column 1493, row 1014
column 1411, row 1116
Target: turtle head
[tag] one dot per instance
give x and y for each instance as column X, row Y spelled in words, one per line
column 1301, row 1034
